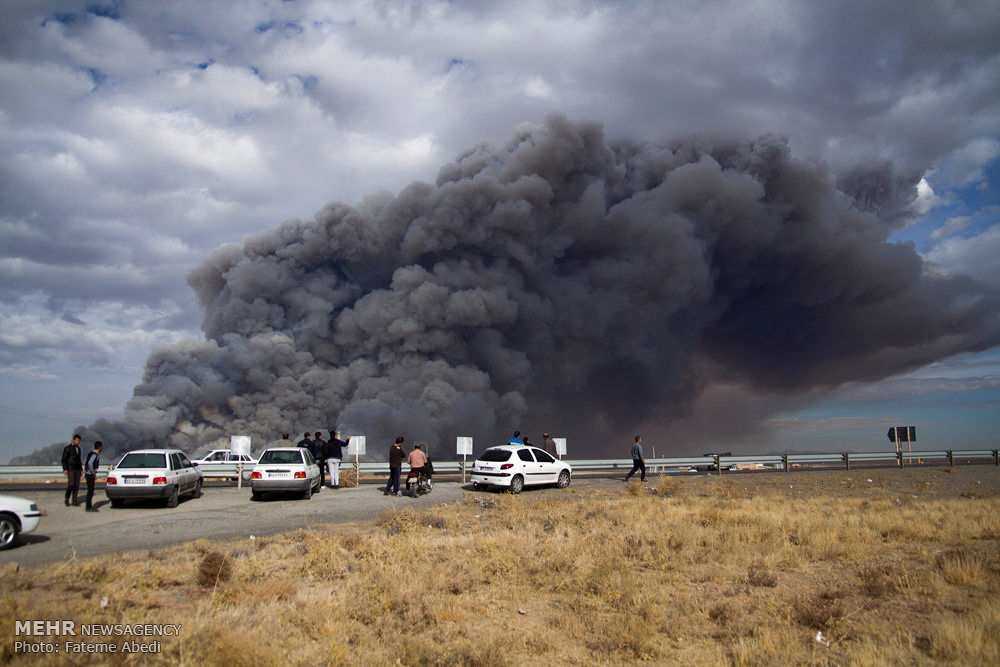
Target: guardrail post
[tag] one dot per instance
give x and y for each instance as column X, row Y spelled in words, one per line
column 847, row 460
column 899, row 459
column 784, row 461
column 951, row 459
column 996, row 457
column 718, row 463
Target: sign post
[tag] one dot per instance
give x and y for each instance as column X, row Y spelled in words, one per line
column 901, row 434
column 560, row 447
column 239, row 445
column 356, row 446
column 463, row 446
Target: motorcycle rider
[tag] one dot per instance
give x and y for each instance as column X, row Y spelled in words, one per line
column 417, row 460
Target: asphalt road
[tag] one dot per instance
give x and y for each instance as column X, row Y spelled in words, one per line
column 220, row 513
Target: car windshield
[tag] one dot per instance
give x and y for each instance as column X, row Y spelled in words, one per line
column 281, row 457
column 143, row 461
column 495, row 455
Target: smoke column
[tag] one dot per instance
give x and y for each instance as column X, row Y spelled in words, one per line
column 556, row 275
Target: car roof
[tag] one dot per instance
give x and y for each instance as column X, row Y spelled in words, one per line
column 512, row 448
column 285, row 449
column 155, row 451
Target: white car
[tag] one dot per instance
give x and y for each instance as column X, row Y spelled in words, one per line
column 222, row 462
column 285, row 469
column 153, row 473
column 17, row 516
column 517, row 466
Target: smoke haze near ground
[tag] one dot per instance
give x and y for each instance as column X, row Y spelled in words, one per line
column 560, row 283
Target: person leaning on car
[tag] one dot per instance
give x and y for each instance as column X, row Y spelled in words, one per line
column 72, row 466
column 396, row 457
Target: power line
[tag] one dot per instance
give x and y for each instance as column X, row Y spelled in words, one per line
column 40, row 415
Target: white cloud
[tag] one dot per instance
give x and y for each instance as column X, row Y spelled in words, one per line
column 951, row 226
column 976, row 256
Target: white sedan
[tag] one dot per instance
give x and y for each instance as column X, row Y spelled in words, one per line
column 153, row 473
column 517, row 466
column 285, row 469
column 17, row 516
column 222, row 463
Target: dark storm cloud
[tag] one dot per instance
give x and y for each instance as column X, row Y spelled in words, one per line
column 554, row 273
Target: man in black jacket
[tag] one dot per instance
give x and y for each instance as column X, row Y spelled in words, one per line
column 90, row 473
column 334, row 455
column 396, row 457
column 72, row 465
column 319, row 453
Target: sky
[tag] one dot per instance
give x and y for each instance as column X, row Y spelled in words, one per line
column 137, row 137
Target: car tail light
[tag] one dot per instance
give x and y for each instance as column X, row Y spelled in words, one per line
column 255, row 475
column 300, row 475
column 111, row 481
column 506, row 465
column 159, row 480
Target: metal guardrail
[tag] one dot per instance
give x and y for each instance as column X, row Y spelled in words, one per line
column 663, row 465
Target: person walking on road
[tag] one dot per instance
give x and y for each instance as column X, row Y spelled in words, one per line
column 638, row 462
column 335, row 454
column 396, row 457
column 320, row 451
column 72, row 465
column 90, row 473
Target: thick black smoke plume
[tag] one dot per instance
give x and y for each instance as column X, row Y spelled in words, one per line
column 601, row 286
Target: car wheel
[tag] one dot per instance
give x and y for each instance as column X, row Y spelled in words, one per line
column 174, row 497
column 563, row 479
column 255, row 496
column 9, row 529
column 319, row 485
column 476, row 486
column 517, row 484
column 308, row 493
column 117, row 502
column 197, row 489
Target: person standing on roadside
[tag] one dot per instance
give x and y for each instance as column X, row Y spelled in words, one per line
column 334, row 456
column 516, row 439
column 72, row 465
column 638, row 461
column 396, row 457
column 320, row 450
column 306, row 442
column 285, row 441
column 549, row 445
column 90, row 473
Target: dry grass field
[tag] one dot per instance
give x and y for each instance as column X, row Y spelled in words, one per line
column 867, row 567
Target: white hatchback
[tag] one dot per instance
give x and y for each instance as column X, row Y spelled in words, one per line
column 17, row 515
column 153, row 473
column 517, row 466
column 285, row 469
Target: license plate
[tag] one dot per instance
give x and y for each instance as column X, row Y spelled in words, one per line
column 279, row 475
column 134, row 481
column 485, row 468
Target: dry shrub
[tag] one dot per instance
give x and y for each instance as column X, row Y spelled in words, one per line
column 670, row 487
column 395, row 522
column 960, row 567
column 878, row 581
column 633, row 488
column 760, row 576
column 214, row 568
column 818, row 613
column 348, row 477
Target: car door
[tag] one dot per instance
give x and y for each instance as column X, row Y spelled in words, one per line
column 547, row 466
column 190, row 471
column 531, row 467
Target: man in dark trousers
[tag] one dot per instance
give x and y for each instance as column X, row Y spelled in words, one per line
column 638, row 462
column 90, row 473
column 396, row 457
column 334, row 455
column 72, row 465
column 320, row 450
